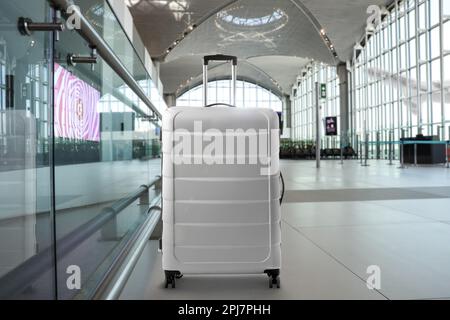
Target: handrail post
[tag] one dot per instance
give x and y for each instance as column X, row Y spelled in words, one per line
column 402, row 150
column 366, row 156
column 415, row 154
column 447, row 164
column 378, row 146
column 391, row 147
column 144, row 199
column 402, row 154
column 357, row 146
column 361, row 149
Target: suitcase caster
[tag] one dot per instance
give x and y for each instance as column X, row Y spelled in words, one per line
column 274, row 281
column 274, row 278
column 171, row 277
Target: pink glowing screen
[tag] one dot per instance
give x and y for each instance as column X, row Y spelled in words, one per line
column 76, row 114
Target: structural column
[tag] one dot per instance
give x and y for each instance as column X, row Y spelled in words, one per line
column 287, row 115
column 170, row 99
column 344, row 98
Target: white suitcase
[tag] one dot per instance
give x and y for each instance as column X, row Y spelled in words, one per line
column 221, row 191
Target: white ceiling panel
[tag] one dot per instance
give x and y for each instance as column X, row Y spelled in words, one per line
column 273, row 39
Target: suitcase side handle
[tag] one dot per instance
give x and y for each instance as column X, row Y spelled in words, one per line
column 220, row 104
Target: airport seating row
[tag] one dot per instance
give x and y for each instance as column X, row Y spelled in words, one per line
column 309, row 152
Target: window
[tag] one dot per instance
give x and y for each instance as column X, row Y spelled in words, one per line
column 402, row 94
column 303, row 112
column 248, row 95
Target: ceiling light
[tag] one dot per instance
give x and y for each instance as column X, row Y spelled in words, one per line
column 274, row 17
column 160, row 2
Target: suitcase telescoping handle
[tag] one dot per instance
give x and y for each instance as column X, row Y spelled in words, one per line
column 225, row 58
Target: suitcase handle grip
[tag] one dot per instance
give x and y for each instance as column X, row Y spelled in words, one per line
column 220, row 104
column 220, row 57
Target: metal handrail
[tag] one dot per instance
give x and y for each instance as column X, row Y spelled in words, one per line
column 88, row 32
column 20, row 278
column 113, row 284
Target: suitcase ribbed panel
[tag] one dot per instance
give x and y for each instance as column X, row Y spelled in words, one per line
column 220, row 218
column 223, row 189
column 221, row 212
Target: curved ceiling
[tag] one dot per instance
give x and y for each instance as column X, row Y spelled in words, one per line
column 261, row 70
column 273, row 39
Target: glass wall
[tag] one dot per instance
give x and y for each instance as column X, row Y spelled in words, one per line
column 303, row 103
column 248, row 95
column 25, row 166
column 116, row 154
column 103, row 19
column 400, row 77
column 75, row 143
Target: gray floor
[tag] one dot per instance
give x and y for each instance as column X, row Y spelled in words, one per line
column 338, row 221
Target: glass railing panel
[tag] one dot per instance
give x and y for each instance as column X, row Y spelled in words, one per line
column 25, row 168
column 106, row 147
column 105, row 22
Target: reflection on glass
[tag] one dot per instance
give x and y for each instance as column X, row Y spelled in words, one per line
column 26, row 247
column 106, row 148
column 102, row 17
column 96, row 135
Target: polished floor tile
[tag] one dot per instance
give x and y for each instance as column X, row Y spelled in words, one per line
column 343, row 214
column 414, row 258
column 338, row 221
column 432, row 209
column 308, row 273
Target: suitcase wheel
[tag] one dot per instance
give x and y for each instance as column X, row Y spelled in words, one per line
column 274, row 278
column 171, row 277
column 274, row 281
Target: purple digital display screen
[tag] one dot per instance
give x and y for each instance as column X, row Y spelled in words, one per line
column 331, row 126
column 76, row 114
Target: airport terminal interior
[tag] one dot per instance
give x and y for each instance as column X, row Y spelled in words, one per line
column 361, row 89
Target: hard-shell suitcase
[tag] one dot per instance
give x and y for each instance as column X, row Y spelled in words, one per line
column 221, row 190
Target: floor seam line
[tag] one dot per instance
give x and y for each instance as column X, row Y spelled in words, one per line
column 332, row 257
column 368, row 225
column 413, row 214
